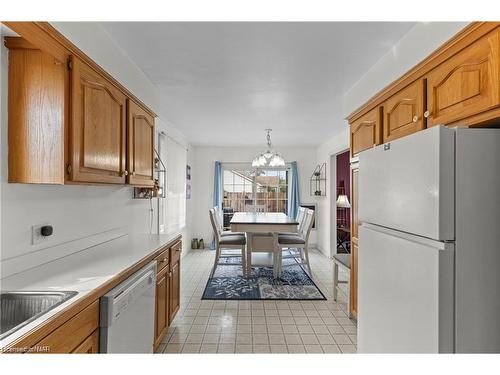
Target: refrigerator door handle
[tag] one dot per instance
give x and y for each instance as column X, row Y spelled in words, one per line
column 438, row 245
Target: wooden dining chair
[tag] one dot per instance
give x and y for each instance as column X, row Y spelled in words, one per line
column 257, row 208
column 297, row 244
column 229, row 242
column 219, row 220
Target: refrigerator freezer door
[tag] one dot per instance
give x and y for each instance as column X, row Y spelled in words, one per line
column 406, row 293
column 408, row 184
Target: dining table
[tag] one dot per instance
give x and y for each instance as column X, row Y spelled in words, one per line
column 262, row 230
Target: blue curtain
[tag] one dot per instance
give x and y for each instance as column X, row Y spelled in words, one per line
column 294, row 199
column 217, row 191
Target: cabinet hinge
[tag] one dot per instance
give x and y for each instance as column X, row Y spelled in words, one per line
column 69, row 168
column 70, row 64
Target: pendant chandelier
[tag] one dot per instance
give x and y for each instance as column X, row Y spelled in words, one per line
column 268, row 158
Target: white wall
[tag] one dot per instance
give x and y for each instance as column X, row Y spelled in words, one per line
column 203, row 179
column 326, row 216
column 417, row 44
column 79, row 213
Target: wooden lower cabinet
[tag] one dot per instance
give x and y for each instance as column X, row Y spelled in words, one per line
column 162, row 298
column 167, row 290
column 353, row 289
column 353, row 294
column 78, row 333
column 175, row 298
column 90, row 345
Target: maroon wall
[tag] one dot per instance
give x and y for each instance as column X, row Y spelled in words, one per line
column 344, row 174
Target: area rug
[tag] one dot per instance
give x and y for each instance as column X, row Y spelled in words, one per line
column 228, row 283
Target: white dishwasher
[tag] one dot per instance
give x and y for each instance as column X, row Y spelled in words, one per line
column 127, row 314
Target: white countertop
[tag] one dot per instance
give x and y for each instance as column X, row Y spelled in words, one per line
column 82, row 271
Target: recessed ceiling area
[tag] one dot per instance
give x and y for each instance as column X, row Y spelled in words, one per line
column 223, row 83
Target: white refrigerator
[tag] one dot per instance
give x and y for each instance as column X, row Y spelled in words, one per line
column 429, row 243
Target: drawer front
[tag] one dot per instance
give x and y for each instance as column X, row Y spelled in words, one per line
column 163, row 260
column 466, row 84
column 366, row 131
column 175, row 253
column 404, row 112
column 74, row 332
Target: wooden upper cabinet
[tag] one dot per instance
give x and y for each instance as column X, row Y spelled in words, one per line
column 467, row 83
column 366, row 131
column 404, row 111
column 141, row 132
column 97, row 134
column 37, row 100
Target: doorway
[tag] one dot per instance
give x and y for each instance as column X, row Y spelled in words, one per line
column 340, row 207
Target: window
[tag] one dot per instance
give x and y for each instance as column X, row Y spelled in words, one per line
column 246, row 187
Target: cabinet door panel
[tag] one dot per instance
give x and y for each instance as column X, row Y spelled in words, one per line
column 174, row 290
column 366, row 131
column 403, row 112
column 97, row 129
column 90, row 345
column 161, row 312
column 140, row 146
column 466, row 84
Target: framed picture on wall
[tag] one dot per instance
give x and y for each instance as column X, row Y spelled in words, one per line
column 188, row 172
column 311, row 206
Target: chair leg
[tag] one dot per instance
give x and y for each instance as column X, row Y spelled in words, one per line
column 216, row 261
column 335, row 280
column 243, row 261
column 306, row 254
column 248, row 271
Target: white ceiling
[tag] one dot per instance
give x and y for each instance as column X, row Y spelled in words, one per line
column 224, row 83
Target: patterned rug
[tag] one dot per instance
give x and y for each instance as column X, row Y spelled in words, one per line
column 228, row 283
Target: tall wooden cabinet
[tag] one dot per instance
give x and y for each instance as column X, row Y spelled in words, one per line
column 97, row 132
column 353, row 287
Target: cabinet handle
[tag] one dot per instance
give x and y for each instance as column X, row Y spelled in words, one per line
column 170, row 274
column 164, row 259
column 427, row 114
column 415, row 118
column 125, row 173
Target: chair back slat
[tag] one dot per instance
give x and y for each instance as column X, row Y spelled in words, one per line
column 301, row 214
column 308, row 222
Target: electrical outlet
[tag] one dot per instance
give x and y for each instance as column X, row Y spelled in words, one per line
column 36, row 235
column 162, row 228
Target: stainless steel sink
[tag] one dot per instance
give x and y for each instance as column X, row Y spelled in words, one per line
column 20, row 308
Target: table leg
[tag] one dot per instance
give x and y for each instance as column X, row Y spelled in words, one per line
column 248, row 271
column 335, row 280
column 276, row 257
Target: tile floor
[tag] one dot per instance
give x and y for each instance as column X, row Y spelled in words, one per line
column 203, row 326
